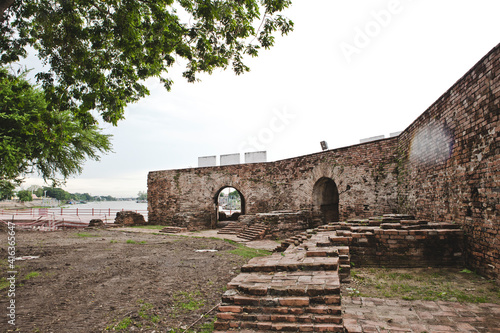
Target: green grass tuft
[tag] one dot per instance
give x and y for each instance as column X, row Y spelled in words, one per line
column 188, row 301
column 247, row 252
column 86, row 234
column 31, row 275
column 124, row 324
column 153, row 227
column 130, row 241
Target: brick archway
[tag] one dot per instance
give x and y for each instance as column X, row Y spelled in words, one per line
column 216, row 201
column 326, row 200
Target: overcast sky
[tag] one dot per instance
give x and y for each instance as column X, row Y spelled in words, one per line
column 350, row 70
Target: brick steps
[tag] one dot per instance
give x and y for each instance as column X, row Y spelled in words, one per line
column 287, row 284
column 290, row 262
column 173, row 230
column 233, row 228
column 246, row 327
column 281, row 327
column 279, row 318
column 314, row 309
column 241, row 311
column 267, row 302
column 255, row 231
column 294, row 291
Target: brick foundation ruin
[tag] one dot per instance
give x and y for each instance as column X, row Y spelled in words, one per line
column 297, row 289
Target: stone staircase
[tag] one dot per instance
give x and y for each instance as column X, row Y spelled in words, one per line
column 255, row 231
column 294, row 291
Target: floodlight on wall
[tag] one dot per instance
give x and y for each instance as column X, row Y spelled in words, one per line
column 324, row 145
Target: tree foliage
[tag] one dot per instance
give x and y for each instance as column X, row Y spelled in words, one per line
column 33, row 138
column 6, row 189
column 57, row 193
column 24, row 195
column 100, row 52
column 142, row 195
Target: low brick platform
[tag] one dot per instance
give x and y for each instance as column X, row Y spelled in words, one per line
column 391, row 241
column 173, row 230
column 293, row 291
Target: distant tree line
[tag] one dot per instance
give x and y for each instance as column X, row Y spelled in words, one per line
column 55, row 193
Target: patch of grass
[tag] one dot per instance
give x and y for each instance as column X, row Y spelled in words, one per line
column 85, row 234
column 31, row 275
column 356, row 276
column 130, row 241
column 4, row 284
column 123, row 324
column 425, row 284
column 247, row 252
column 145, row 310
column 208, row 327
column 113, row 241
column 153, row 227
column 189, row 301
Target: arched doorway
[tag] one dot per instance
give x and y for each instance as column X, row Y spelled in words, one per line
column 230, row 204
column 326, row 200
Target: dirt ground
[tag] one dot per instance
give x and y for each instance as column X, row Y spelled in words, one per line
column 108, row 280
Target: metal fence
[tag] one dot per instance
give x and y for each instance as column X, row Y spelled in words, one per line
column 54, row 218
column 109, row 212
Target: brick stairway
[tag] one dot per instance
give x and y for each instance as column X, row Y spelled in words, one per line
column 255, row 231
column 233, row 228
column 173, row 230
column 294, row 291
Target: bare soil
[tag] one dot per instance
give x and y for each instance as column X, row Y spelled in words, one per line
column 109, row 280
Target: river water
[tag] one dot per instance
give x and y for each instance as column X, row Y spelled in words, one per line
column 100, row 209
column 115, row 205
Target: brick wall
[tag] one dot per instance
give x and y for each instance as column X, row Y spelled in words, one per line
column 449, row 168
column 443, row 167
column 364, row 175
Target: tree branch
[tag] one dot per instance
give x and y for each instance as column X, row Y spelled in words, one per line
column 4, row 5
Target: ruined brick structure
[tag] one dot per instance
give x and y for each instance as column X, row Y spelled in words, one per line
column 443, row 167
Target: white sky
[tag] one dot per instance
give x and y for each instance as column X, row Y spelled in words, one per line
column 324, row 81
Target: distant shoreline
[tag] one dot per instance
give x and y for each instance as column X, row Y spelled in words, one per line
column 14, row 204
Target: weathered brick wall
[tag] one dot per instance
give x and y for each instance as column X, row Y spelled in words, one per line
column 408, row 248
column 443, row 167
column 364, row 175
column 449, row 167
column 397, row 243
column 281, row 225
